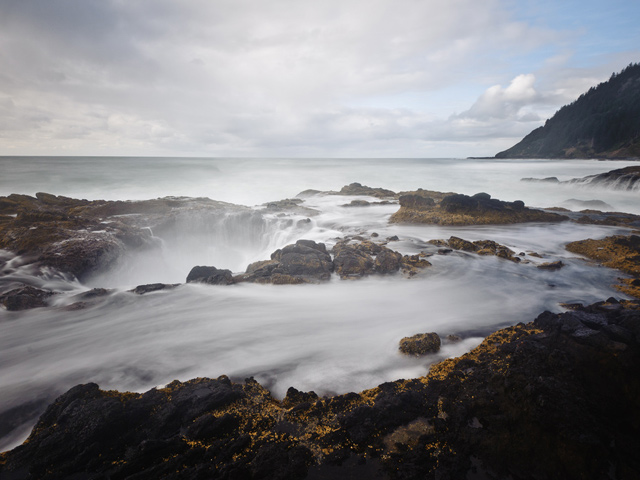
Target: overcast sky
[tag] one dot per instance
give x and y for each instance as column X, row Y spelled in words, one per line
column 298, row 78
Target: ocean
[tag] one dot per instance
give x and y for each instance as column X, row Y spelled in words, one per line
column 332, row 338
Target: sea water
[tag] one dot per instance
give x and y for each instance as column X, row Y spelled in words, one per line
column 331, row 338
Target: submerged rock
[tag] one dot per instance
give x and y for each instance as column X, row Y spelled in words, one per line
column 481, row 247
column 155, row 287
column 564, row 383
column 26, row 297
column 557, row 265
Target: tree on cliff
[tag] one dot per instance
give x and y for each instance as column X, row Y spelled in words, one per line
column 603, row 122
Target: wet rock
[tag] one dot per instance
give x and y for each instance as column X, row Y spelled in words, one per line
column 545, row 180
column 209, row 275
column 459, row 209
column 417, row 202
column 552, row 266
column 352, row 261
column 358, row 189
column 25, row 298
column 303, row 262
column 420, row 344
column 156, row 287
column 412, row 264
column 619, row 252
column 357, row 203
column 481, row 247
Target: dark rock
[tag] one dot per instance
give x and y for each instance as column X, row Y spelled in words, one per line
column 357, row 203
column 557, row 265
column 459, row 209
column 420, row 344
column 352, row 261
column 24, row 298
column 416, row 201
column 358, row 189
column 210, row 275
column 155, row 287
column 546, row 180
column 303, row 262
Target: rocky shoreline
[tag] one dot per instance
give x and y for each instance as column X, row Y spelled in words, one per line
column 555, row 398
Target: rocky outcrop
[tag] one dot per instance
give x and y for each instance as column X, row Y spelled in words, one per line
column 627, row 178
column 420, row 344
column 458, row 209
column 556, row 398
column 481, row 247
column 620, row 252
column 304, row 262
column 82, row 237
column 358, row 189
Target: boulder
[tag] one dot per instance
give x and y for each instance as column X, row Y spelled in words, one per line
column 303, row 262
column 209, row 275
column 420, row 344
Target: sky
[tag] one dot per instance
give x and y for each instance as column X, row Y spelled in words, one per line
column 298, row 78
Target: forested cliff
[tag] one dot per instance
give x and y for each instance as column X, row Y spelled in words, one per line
column 602, row 123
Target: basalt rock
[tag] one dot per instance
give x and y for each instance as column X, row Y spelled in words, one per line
column 556, row 398
column 458, row 209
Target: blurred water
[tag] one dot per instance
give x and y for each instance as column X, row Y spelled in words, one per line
column 331, row 338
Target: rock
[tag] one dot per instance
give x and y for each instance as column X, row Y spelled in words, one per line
column 545, row 180
column 24, row 298
column 357, row 203
column 420, row 344
column 619, row 252
column 565, row 382
column 358, row 189
column 557, row 265
column 388, row 261
column 304, row 262
column 209, row 275
column 481, row 247
column 479, row 209
column 412, row 264
column 416, row 202
column 155, row 287
column 627, row 178
column 352, row 261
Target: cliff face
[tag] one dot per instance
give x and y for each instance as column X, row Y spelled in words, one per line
column 602, row 123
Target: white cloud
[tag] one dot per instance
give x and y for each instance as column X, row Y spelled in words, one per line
column 243, row 77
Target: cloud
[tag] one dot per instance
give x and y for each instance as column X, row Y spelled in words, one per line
column 217, row 77
column 501, row 103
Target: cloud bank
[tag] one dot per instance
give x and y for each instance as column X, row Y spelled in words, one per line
column 284, row 77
